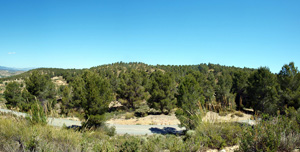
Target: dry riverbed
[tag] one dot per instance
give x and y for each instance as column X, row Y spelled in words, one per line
column 172, row 120
column 148, row 120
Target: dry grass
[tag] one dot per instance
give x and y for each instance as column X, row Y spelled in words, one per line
column 215, row 117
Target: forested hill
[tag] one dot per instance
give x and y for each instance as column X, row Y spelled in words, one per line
column 109, row 70
column 162, row 87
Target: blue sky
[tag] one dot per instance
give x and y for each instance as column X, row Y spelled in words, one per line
column 82, row 34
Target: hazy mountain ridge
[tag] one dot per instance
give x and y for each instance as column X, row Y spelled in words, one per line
column 8, row 71
column 3, row 68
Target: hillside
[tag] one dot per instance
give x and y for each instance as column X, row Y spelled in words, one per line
column 6, row 73
column 121, row 67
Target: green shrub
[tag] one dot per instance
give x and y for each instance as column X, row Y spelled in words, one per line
column 110, row 131
column 38, row 115
column 174, row 144
column 189, row 121
column 218, row 135
column 130, row 144
column 129, row 115
column 19, row 135
column 104, row 145
column 142, row 111
column 273, row 134
column 94, row 121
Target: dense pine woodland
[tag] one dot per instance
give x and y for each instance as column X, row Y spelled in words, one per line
column 138, row 86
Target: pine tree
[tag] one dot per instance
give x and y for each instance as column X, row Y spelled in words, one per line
column 78, row 92
column 13, row 94
column 98, row 95
column 162, row 90
column 262, row 91
column 40, row 86
column 289, row 80
column 240, row 83
column 131, row 89
column 223, row 88
column 66, row 100
column 189, row 99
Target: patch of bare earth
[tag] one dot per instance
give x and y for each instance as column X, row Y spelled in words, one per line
column 59, row 81
column 226, row 149
column 172, row 120
column 148, row 120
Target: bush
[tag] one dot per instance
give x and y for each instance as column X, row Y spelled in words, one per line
column 131, row 144
column 19, row 135
column 273, row 134
column 190, row 121
column 110, row 131
column 94, row 121
column 129, row 115
column 218, row 135
column 142, row 111
column 38, row 115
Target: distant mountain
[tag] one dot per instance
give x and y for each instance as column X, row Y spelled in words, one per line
column 7, row 71
column 2, row 68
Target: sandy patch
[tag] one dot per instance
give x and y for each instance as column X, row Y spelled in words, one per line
column 226, row 149
column 59, row 81
column 172, row 120
column 148, row 120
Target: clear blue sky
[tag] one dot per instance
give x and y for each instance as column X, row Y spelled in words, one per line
column 82, row 34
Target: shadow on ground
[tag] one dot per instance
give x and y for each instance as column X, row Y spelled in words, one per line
column 75, row 127
column 165, row 130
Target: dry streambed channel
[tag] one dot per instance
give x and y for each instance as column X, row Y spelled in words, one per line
column 120, row 129
column 138, row 129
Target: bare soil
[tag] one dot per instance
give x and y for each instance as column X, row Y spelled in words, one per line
column 148, row 120
column 59, row 81
column 226, row 149
column 172, row 120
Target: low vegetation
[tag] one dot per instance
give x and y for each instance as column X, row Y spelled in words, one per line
column 273, row 134
column 20, row 135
